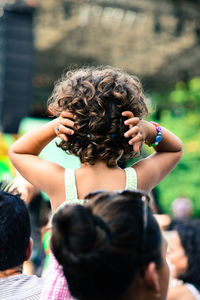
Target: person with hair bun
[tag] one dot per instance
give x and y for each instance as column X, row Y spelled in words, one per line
column 111, row 248
column 99, row 117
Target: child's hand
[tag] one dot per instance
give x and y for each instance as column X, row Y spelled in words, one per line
column 65, row 125
column 136, row 131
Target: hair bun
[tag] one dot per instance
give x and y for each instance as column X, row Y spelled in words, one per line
column 100, row 223
column 79, row 235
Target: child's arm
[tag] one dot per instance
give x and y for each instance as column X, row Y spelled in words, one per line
column 47, row 176
column 151, row 170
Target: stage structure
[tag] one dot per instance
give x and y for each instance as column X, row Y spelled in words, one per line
column 16, row 63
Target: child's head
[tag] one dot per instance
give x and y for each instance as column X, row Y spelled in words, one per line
column 104, row 247
column 98, row 97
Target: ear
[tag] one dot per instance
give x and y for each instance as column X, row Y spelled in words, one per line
column 29, row 249
column 151, row 278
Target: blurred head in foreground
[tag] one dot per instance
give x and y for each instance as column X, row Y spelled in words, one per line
column 15, row 231
column 182, row 208
column 111, row 248
column 184, row 252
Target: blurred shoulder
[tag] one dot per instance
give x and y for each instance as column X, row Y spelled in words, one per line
column 180, row 292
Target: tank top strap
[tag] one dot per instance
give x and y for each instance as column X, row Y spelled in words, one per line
column 131, row 178
column 70, row 185
column 193, row 290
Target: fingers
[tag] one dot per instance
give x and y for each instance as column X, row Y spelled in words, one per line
column 128, row 114
column 134, row 131
column 67, row 114
column 137, row 147
column 137, row 138
column 63, row 137
column 64, row 130
column 132, row 121
column 65, row 125
column 66, row 122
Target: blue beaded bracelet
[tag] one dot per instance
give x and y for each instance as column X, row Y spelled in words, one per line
column 159, row 135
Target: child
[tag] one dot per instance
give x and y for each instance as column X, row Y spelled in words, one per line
column 99, row 119
column 94, row 108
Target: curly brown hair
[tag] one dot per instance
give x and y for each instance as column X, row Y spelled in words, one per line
column 98, row 96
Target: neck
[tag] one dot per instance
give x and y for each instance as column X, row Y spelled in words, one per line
column 138, row 290
column 98, row 165
column 11, row 272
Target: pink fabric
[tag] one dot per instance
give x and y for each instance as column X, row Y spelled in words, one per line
column 55, row 285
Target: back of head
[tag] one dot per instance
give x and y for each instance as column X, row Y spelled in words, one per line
column 14, row 230
column 182, row 208
column 189, row 233
column 98, row 97
column 101, row 245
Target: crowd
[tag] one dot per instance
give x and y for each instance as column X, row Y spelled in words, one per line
column 105, row 242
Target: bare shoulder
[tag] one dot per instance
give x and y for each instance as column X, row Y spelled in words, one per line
column 180, row 292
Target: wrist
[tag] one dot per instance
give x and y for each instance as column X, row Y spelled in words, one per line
column 151, row 134
column 53, row 125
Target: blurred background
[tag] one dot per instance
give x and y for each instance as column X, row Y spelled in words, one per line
column 159, row 41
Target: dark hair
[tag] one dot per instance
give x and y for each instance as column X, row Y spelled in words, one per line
column 14, row 230
column 189, row 233
column 99, row 244
column 98, row 96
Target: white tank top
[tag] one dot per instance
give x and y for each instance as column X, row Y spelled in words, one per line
column 193, row 290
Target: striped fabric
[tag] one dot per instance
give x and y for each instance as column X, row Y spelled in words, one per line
column 70, row 186
column 71, row 190
column 131, row 179
column 21, row 287
column 55, row 286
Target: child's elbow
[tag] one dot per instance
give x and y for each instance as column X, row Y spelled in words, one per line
column 11, row 152
column 179, row 153
column 181, row 147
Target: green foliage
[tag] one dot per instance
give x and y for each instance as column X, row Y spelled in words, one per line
column 181, row 115
column 182, row 181
column 186, row 94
